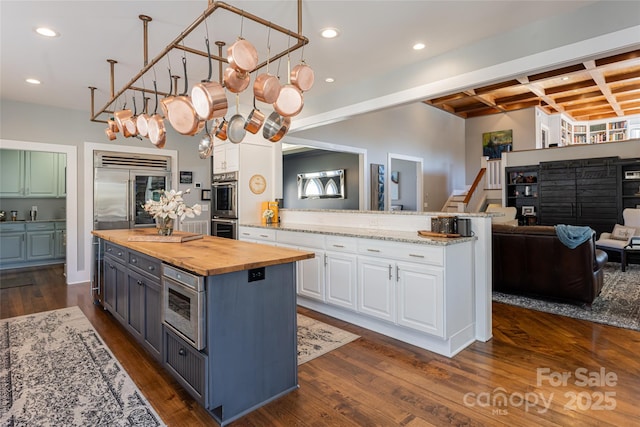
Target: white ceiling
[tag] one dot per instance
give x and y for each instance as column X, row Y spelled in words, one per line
column 376, row 38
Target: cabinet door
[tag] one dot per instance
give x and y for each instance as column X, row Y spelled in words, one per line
column 376, row 292
column 596, row 196
column 421, row 297
column 152, row 332
column 62, row 174
column 40, row 245
column 115, row 295
column 60, row 244
column 135, row 306
column 226, row 158
column 311, row 275
column 557, row 187
column 12, row 247
column 11, row 173
column 42, row 174
column 340, row 279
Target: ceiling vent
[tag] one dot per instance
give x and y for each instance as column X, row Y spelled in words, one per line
column 108, row 159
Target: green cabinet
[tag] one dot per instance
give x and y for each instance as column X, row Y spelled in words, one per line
column 40, row 241
column 32, row 174
column 12, row 243
column 60, row 241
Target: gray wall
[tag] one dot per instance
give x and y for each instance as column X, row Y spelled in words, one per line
column 316, row 161
column 406, row 185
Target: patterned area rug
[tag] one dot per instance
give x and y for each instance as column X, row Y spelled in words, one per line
column 617, row 305
column 56, row 371
column 316, row 338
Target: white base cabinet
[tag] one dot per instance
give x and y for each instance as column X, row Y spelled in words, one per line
column 418, row 293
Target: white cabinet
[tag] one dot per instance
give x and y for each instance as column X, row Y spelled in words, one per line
column 340, row 279
column 311, row 275
column 257, row 235
column 32, row 174
column 376, row 288
column 226, row 157
column 420, row 293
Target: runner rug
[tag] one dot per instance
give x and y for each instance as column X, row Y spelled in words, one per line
column 56, row 371
column 316, row 338
column 617, row 305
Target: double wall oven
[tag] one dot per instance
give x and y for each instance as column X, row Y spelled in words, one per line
column 224, row 205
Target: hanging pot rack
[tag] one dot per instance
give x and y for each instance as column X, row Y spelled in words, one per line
column 178, row 44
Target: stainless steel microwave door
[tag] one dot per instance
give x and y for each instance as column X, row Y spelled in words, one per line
column 110, row 198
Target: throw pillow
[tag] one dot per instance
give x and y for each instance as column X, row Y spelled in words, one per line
column 622, row 233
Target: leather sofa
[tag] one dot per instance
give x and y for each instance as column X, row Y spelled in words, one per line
column 533, row 261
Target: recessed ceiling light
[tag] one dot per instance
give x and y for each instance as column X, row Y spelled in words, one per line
column 329, row 33
column 418, row 46
column 33, row 81
column 47, row 32
column 565, row 78
column 329, row 80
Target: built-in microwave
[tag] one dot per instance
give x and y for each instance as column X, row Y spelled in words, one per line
column 224, row 195
column 184, row 305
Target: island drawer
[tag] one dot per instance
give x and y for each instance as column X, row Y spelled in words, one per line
column 117, row 252
column 145, row 264
column 187, row 365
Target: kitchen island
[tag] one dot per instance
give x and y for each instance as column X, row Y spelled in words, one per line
column 247, row 355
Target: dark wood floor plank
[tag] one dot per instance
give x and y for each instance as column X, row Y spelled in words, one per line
column 377, row 380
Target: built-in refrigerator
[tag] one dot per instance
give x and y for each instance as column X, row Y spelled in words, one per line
column 122, row 183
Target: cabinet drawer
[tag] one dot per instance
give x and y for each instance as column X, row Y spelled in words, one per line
column 144, row 263
column 308, row 240
column 12, row 228
column 61, row 225
column 342, row 244
column 257, row 234
column 433, row 255
column 115, row 251
column 187, row 364
column 40, row 226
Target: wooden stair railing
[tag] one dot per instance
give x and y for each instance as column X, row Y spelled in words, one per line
column 475, row 184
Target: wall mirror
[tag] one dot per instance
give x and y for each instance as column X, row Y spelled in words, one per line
column 321, row 185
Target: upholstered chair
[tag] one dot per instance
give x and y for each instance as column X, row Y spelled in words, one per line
column 509, row 212
column 618, row 239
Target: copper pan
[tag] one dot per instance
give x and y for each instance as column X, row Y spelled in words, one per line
column 181, row 113
column 302, row 76
column 254, row 120
column 209, row 98
column 290, row 100
column 266, row 88
column 236, row 81
column 276, row 127
column 221, row 130
column 142, row 122
column 157, row 133
column 242, row 56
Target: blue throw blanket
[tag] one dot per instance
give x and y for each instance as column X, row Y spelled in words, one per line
column 573, row 236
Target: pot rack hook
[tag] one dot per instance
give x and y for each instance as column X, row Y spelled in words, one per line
column 112, row 63
column 220, row 45
column 155, row 89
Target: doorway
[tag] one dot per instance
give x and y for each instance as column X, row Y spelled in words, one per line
column 404, row 181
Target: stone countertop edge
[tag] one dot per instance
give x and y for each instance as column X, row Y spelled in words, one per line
column 459, row 214
column 28, row 221
column 367, row 233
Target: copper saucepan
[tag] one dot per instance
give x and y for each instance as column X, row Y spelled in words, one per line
column 110, row 134
column 276, row 127
column 302, row 76
column 209, row 98
column 236, row 81
column 254, row 120
column 120, row 116
column 157, row 133
column 130, row 122
column 221, row 130
column 290, row 100
column 242, row 56
column 182, row 115
column 142, row 122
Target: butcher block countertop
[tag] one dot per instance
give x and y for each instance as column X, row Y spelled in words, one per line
column 207, row 256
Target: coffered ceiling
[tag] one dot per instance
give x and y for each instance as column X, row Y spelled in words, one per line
column 590, row 90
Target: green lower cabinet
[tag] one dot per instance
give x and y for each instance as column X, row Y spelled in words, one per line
column 12, row 248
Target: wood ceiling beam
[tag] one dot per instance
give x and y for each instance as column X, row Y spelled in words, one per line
column 626, row 88
column 516, row 98
column 494, row 87
column 623, row 76
column 447, row 98
column 556, row 73
column 578, row 97
column 582, row 106
column 628, row 97
column 634, row 54
column 569, row 87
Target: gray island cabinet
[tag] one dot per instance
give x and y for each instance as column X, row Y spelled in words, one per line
column 249, row 354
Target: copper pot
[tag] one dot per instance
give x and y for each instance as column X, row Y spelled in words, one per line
column 254, row 120
column 276, row 127
column 181, row 113
column 242, row 56
column 235, row 81
column 110, row 134
column 119, row 117
column 221, row 130
column 302, row 76
column 209, row 98
column 142, row 121
column 157, row 132
column 266, row 88
column 290, row 101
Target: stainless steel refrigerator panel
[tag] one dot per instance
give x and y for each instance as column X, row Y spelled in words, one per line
column 111, row 197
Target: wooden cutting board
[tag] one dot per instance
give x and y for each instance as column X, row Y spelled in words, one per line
column 425, row 233
column 176, row 237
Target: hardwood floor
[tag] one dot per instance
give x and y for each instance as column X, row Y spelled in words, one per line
column 378, row 381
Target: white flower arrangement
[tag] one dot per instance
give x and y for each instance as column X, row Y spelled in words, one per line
column 268, row 213
column 171, row 205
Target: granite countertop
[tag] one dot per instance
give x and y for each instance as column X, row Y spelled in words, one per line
column 207, row 256
column 28, row 220
column 367, row 233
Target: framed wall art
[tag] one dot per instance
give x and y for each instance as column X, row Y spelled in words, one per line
column 496, row 143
